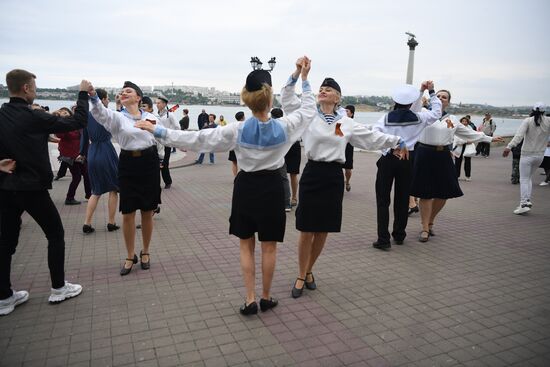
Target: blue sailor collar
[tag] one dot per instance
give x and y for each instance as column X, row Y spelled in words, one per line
column 337, row 115
column 262, row 135
column 125, row 112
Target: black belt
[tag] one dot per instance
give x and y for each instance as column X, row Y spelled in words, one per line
column 138, row 153
column 439, row 148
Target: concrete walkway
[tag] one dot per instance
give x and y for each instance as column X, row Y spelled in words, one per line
column 477, row 294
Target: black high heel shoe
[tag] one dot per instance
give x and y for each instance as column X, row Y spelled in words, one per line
column 297, row 292
column 144, row 265
column 310, row 285
column 125, row 270
column 250, row 309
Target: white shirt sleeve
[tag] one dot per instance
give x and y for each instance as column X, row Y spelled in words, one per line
column 470, row 135
column 298, row 120
column 173, row 123
column 365, row 138
column 109, row 119
column 520, row 134
column 289, row 100
column 430, row 116
column 219, row 139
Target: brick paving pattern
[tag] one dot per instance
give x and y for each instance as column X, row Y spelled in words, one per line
column 476, row 294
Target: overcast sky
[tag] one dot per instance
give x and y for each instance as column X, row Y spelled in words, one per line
column 494, row 52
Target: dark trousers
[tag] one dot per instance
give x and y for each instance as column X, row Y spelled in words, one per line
column 467, row 164
column 40, row 207
column 165, row 170
column 78, row 171
column 391, row 169
column 484, row 149
column 62, row 171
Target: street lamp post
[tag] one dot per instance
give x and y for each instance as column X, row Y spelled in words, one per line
column 257, row 64
column 410, row 67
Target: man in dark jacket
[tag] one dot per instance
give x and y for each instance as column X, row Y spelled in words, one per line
column 202, row 119
column 24, row 138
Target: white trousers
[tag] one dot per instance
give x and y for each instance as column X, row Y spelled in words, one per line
column 527, row 167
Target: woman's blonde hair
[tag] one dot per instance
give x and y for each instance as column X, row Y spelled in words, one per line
column 259, row 100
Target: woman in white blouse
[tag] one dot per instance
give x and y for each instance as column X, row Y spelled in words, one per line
column 321, row 188
column 138, row 169
column 260, row 144
column 434, row 175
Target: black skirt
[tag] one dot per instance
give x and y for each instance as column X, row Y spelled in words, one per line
column 321, row 193
column 139, row 181
column 232, row 157
column 349, row 157
column 258, row 206
column 434, row 174
column 293, row 158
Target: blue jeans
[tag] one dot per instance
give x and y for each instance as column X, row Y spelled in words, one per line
column 201, row 158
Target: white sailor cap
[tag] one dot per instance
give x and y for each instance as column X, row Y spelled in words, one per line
column 540, row 106
column 405, row 94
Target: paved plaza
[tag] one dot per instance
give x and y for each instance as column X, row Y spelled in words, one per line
column 476, row 294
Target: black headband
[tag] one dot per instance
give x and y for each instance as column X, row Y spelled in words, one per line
column 256, row 79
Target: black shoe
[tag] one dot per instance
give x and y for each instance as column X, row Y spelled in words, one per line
column 147, row 265
column 72, row 202
column 413, row 210
column 86, row 228
column 112, row 227
column 381, row 245
column 57, row 178
column 297, row 292
column 157, row 210
column 397, row 242
column 126, row 271
column 266, row 304
column 310, row 285
column 167, row 186
column 251, row 309
column 138, row 226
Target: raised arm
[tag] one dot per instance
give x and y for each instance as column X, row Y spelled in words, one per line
column 428, row 116
column 289, row 100
column 110, row 120
column 298, row 120
column 54, row 124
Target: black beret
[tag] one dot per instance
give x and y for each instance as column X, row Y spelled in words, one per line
column 351, row 108
column 256, row 79
column 148, row 101
column 329, row 82
column 239, row 115
column 128, row 84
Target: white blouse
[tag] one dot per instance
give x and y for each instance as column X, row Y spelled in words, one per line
column 441, row 133
column 322, row 141
column 121, row 126
column 224, row 138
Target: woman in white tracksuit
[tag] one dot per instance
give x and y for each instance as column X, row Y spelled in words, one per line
column 534, row 131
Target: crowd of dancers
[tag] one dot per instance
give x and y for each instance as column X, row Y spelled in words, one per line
column 416, row 144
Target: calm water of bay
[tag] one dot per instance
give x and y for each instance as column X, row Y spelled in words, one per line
column 505, row 126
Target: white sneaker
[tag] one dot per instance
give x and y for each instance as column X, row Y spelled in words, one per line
column 8, row 305
column 468, row 179
column 67, row 291
column 522, row 209
column 544, row 183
